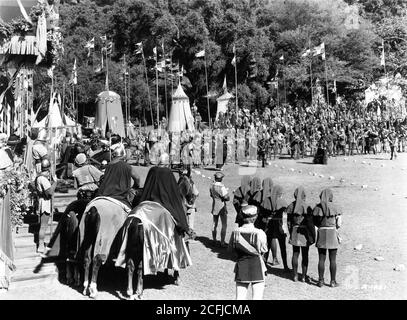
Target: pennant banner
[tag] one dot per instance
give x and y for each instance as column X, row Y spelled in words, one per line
column 231, row 147
column 197, row 152
column 252, row 145
column 241, row 146
column 207, row 148
column 175, row 148
column 218, row 146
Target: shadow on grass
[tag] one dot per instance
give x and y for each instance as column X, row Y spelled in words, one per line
column 222, row 253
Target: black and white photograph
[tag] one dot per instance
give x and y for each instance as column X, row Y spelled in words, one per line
column 175, row 151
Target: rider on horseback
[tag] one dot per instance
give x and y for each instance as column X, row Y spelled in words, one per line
column 117, row 181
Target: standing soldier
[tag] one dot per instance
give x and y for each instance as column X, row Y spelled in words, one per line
column 39, row 150
column 261, row 151
column 44, row 190
column 219, row 194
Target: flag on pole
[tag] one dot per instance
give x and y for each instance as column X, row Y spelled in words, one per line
column 103, row 38
column 109, row 48
column 320, row 50
column 224, row 87
column 234, row 61
column 281, row 58
column 155, row 53
column 139, row 49
column 234, row 56
column 334, row 89
column 90, row 45
column 200, row 54
column 74, row 78
column 306, row 53
column 382, row 60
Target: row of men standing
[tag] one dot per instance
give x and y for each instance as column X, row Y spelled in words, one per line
column 260, row 209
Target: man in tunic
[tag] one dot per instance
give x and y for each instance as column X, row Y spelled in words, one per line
column 249, row 243
column 45, row 190
column 220, row 195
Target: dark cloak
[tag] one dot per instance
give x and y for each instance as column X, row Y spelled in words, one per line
column 160, row 186
column 117, row 182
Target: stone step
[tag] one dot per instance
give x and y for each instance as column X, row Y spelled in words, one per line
column 27, row 234
column 33, row 280
column 33, row 270
column 27, row 261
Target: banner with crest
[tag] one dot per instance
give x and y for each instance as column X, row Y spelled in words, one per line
column 197, row 151
column 252, row 137
column 207, row 147
column 240, row 146
column 231, row 145
column 218, row 146
column 175, row 148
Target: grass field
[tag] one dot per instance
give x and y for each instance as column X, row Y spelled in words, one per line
column 372, row 194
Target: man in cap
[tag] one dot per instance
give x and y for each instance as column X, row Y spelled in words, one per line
column 86, row 177
column 45, row 190
column 220, row 195
column 249, row 244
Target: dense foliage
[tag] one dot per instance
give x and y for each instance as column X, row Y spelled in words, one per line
column 262, row 31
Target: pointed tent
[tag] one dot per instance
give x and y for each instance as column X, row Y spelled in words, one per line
column 223, row 101
column 180, row 115
column 109, row 113
column 53, row 119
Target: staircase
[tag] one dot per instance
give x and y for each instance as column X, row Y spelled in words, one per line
column 31, row 269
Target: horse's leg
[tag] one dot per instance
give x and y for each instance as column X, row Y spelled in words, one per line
column 69, row 277
column 86, row 279
column 130, row 271
column 177, row 280
column 77, row 275
column 140, row 285
column 91, row 230
column 97, row 262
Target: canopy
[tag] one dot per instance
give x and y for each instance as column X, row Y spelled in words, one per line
column 223, row 101
column 109, row 113
column 180, row 115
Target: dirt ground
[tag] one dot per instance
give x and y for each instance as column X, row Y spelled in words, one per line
column 372, row 196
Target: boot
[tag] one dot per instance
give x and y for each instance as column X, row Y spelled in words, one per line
column 321, row 283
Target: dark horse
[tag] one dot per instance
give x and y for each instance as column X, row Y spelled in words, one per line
column 161, row 198
column 132, row 255
column 67, row 230
column 100, row 231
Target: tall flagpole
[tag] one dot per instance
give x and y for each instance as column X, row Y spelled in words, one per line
column 156, row 81
column 129, row 95
column 237, row 113
column 148, row 87
column 207, row 91
column 125, row 88
column 326, row 81
column 310, row 68
column 172, row 82
column 165, row 83
column 285, row 87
